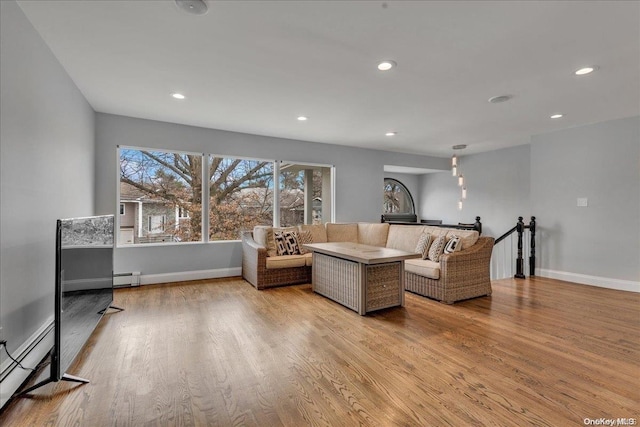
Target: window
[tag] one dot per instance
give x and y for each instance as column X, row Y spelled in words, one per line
column 240, row 196
column 157, row 184
column 397, row 198
column 305, row 192
column 164, row 191
column 156, row 223
column 182, row 212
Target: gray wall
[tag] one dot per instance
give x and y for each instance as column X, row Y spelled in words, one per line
column 602, row 163
column 359, row 177
column 498, row 190
column 47, row 171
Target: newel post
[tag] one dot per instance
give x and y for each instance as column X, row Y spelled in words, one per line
column 519, row 261
column 532, row 255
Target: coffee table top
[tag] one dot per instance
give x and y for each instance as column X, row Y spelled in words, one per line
column 357, row 252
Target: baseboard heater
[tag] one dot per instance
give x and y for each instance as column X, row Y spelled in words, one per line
column 121, row 280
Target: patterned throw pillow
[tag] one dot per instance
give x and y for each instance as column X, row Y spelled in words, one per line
column 304, row 237
column 437, row 248
column 286, row 242
column 422, row 247
column 454, row 245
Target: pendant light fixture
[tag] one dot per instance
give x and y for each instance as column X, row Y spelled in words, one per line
column 455, row 171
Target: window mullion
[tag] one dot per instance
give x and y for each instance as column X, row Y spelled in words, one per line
column 276, row 193
column 206, row 160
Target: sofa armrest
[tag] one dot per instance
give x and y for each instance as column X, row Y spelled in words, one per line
column 471, row 262
column 254, row 259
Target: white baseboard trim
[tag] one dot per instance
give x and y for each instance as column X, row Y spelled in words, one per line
column 149, row 279
column 29, row 354
column 584, row 279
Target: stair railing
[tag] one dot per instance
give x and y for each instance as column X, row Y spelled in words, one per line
column 519, row 228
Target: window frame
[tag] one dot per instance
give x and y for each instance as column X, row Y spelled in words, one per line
column 205, row 205
column 406, row 191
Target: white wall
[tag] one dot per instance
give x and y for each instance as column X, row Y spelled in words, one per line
column 47, row 172
column 359, row 179
column 599, row 243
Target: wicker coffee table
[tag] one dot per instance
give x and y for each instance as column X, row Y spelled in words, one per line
column 361, row 277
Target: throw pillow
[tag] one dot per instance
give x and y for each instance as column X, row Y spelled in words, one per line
column 437, row 248
column 304, row 237
column 286, row 242
column 423, row 245
column 453, row 245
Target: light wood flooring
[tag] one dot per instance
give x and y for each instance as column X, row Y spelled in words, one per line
column 220, row 353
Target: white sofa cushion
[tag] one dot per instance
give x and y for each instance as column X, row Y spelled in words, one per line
column 373, row 234
column 308, row 259
column 286, row 261
column 342, row 232
column 423, row 267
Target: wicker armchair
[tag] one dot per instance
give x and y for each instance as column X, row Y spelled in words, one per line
column 463, row 275
column 255, row 271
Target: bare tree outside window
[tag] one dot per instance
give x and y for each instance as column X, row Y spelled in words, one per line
column 241, row 193
column 157, row 184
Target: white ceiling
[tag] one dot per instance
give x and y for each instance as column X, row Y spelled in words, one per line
column 253, row 67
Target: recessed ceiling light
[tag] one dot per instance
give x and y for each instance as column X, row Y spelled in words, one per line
column 302, row 118
column 178, row 95
column 556, row 116
column 586, row 70
column 391, row 133
column 500, row 98
column 386, row 65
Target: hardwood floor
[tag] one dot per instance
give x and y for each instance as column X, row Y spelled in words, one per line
column 220, row 353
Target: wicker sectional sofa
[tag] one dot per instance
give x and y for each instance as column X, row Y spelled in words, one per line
column 456, row 276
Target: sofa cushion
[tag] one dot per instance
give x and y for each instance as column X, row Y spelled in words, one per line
column 373, row 234
column 437, row 248
column 318, row 232
column 436, row 231
column 263, row 235
column 423, row 267
column 286, row 242
column 308, row 259
column 468, row 238
column 404, row 237
column 453, row 245
column 304, row 237
column 424, row 243
column 286, row 261
column 342, row 232
column 260, row 234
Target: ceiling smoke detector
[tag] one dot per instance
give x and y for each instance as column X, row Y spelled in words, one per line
column 194, row 7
